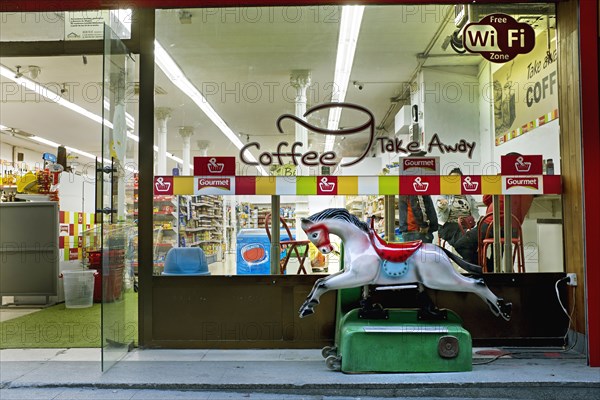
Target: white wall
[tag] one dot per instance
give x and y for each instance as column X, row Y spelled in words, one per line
column 77, row 193
column 5, row 151
column 486, row 120
column 367, row 167
column 544, row 140
column 30, row 157
column 449, row 101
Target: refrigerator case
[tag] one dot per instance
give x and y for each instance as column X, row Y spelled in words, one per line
column 253, row 251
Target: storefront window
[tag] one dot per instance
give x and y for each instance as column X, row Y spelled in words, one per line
column 64, row 26
column 247, row 89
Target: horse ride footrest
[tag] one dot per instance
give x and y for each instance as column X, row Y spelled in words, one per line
column 403, row 343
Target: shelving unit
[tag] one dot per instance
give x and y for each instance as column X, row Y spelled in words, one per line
column 365, row 207
column 165, row 219
column 254, row 215
column 131, row 215
column 203, row 225
column 357, row 206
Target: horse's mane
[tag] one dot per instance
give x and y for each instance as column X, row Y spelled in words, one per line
column 339, row 213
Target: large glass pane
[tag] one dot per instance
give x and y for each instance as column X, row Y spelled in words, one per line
column 118, row 187
column 237, row 82
column 63, row 26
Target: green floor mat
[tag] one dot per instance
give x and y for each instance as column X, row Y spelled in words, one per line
column 60, row 327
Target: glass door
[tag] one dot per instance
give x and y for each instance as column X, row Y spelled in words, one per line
column 117, row 178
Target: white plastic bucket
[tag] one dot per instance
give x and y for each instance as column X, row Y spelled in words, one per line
column 79, row 288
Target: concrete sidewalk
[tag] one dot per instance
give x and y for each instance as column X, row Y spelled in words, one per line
column 533, row 374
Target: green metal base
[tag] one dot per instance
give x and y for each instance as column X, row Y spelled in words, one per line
column 402, row 343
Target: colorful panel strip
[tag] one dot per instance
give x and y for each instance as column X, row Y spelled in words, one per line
column 357, row 185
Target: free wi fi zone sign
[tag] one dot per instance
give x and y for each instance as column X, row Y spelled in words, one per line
column 498, row 38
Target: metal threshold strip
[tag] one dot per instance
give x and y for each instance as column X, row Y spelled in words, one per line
column 405, row 329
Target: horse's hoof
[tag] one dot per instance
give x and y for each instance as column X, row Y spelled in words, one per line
column 306, row 312
column 505, row 309
column 494, row 308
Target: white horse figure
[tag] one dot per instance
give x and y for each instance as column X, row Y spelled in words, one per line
column 368, row 260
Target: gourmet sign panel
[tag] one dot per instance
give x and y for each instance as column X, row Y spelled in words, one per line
column 523, row 184
column 214, row 185
column 420, row 166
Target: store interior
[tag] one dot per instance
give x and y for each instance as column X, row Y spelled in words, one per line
column 222, row 79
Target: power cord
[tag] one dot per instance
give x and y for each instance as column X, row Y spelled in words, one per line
column 569, row 316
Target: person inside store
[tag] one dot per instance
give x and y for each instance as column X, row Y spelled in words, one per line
column 467, row 246
column 456, row 214
column 418, row 219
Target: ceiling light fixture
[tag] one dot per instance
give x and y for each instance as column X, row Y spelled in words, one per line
column 50, row 95
column 70, row 149
column 57, row 98
column 178, row 78
column 74, row 150
column 348, row 37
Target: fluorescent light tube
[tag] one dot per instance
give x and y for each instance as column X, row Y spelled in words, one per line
column 178, row 78
column 347, row 40
column 50, row 95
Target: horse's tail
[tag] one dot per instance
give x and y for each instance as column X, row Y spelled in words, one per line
column 472, row 268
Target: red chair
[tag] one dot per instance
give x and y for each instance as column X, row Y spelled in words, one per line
column 485, row 241
column 290, row 245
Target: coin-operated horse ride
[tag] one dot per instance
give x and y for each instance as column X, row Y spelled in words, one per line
column 374, row 339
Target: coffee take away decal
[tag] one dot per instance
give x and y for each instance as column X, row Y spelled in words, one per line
column 286, row 153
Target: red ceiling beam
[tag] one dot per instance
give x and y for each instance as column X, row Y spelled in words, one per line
column 72, row 5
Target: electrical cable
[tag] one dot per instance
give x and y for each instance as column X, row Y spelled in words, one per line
column 565, row 349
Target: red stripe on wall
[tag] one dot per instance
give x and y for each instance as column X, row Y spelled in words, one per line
column 590, row 128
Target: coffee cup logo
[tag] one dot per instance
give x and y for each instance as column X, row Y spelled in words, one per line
column 532, row 183
column 420, row 186
column 470, row 186
column 216, row 183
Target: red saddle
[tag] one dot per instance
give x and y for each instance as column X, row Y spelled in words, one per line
column 394, row 252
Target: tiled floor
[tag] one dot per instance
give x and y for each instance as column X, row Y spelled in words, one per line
column 12, row 313
column 8, row 312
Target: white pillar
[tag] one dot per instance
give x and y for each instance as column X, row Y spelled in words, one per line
column 186, row 133
column 163, row 114
column 300, row 79
column 203, row 147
